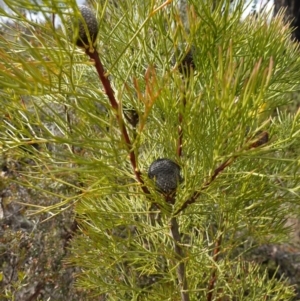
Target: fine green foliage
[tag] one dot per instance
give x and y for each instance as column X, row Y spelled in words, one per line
column 225, row 121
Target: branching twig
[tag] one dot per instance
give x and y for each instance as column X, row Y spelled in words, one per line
column 94, row 55
column 261, row 138
column 181, row 275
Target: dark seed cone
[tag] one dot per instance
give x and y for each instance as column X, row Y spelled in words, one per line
column 131, row 116
column 85, row 27
column 187, row 62
column 261, row 139
column 166, row 175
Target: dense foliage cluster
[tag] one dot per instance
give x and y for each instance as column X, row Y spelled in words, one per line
column 88, row 126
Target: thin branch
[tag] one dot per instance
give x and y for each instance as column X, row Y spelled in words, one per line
column 181, row 274
column 69, row 123
column 94, row 55
column 38, row 289
column 161, row 6
column 185, row 67
column 213, row 277
column 180, row 128
column 53, row 20
column 261, row 138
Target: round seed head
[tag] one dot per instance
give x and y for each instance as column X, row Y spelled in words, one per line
column 83, row 27
column 166, row 175
column 186, row 62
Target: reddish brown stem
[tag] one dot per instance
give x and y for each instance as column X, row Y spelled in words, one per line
column 180, row 130
column 53, row 20
column 213, row 277
column 94, row 55
column 261, row 138
column 35, row 295
column 206, row 185
column 181, row 274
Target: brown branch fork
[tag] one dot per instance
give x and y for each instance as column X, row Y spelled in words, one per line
column 261, row 138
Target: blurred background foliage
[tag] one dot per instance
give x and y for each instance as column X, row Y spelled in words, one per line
column 71, row 205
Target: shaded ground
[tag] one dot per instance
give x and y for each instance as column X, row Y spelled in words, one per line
column 33, row 252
